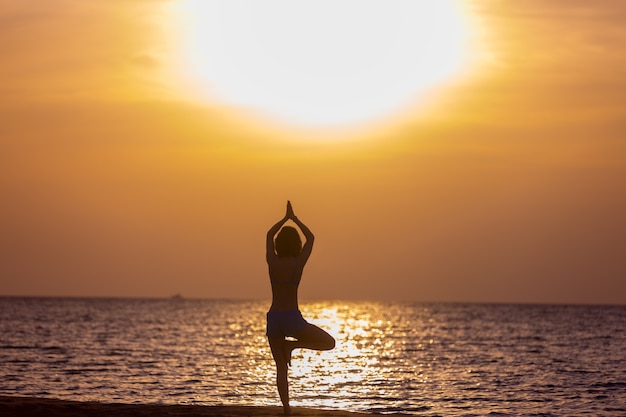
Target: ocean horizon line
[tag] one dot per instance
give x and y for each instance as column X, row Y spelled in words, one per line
column 180, row 297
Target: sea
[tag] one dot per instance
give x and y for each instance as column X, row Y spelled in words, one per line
column 422, row 359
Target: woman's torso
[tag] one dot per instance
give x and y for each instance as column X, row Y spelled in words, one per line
column 285, row 274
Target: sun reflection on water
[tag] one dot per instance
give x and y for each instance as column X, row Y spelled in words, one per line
column 362, row 342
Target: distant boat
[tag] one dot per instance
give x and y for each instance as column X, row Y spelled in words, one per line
column 176, row 297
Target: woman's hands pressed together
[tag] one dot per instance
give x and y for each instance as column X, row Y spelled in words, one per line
column 290, row 214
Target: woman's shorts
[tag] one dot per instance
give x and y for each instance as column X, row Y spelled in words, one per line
column 285, row 323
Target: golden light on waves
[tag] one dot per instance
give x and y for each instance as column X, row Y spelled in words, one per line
column 320, row 63
column 361, row 340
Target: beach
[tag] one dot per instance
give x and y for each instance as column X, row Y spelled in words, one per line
column 34, row 407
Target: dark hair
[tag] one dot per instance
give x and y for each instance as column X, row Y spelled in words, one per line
column 288, row 242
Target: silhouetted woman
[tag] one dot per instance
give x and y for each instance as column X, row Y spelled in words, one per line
column 286, row 257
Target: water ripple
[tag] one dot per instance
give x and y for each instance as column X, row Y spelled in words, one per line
column 421, row 359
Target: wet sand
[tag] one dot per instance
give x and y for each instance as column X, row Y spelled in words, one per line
column 40, row 407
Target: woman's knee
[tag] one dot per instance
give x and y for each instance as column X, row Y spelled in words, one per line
column 330, row 342
column 326, row 341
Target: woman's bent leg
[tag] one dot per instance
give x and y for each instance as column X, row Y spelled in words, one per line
column 312, row 337
column 277, row 345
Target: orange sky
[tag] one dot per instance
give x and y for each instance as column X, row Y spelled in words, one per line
column 511, row 188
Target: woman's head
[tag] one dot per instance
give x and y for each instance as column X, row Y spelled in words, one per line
column 288, row 242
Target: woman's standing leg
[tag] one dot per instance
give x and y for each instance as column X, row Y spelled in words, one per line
column 277, row 345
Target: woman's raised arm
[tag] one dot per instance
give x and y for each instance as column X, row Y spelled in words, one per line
column 269, row 241
column 308, row 245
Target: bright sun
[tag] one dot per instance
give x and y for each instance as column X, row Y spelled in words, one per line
column 320, row 62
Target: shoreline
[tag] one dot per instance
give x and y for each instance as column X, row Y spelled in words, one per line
column 48, row 407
